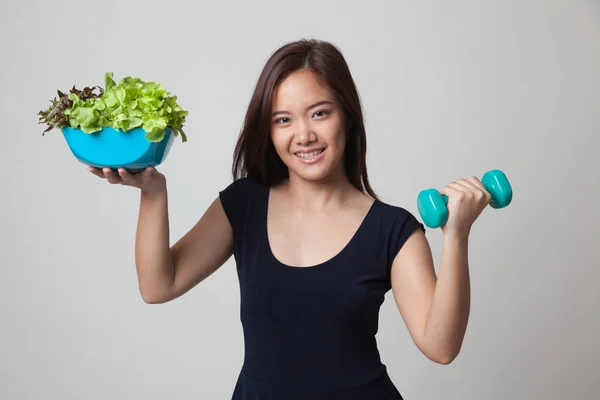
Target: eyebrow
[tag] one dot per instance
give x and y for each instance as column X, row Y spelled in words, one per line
column 318, row 103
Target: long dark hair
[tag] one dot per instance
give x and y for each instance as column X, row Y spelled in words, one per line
column 255, row 156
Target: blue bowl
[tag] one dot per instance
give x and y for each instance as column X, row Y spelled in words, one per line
column 114, row 148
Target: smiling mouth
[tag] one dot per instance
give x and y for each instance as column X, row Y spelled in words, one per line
column 309, row 155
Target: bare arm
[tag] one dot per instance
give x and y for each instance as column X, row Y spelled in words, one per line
column 166, row 273
column 435, row 309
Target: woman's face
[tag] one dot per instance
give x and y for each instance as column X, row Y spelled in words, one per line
column 307, row 127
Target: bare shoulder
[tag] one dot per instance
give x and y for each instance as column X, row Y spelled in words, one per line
column 414, row 251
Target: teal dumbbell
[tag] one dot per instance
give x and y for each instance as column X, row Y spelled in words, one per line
column 433, row 208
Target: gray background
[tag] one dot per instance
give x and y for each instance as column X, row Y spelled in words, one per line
column 450, row 89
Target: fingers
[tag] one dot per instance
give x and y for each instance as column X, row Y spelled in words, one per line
column 124, row 177
column 148, row 172
column 451, row 190
column 96, row 171
column 481, row 190
column 111, row 176
column 467, row 184
column 108, row 174
column 127, row 178
column 471, row 186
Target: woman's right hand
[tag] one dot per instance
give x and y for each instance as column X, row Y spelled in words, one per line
column 149, row 181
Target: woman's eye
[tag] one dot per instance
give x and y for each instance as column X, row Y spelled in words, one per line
column 321, row 113
column 286, row 120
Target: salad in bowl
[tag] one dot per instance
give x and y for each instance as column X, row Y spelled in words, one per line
column 131, row 124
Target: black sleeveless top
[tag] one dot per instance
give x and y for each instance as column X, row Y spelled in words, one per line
column 309, row 332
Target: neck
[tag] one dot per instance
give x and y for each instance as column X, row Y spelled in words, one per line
column 318, row 195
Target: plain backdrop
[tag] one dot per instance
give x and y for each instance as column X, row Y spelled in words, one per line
column 449, row 88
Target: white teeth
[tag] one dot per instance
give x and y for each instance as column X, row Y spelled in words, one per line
column 308, row 156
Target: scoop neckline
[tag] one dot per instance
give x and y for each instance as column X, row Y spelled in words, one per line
column 321, row 264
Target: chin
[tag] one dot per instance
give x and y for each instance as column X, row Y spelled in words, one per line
column 312, row 176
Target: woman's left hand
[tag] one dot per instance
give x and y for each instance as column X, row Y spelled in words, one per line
column 467, row 198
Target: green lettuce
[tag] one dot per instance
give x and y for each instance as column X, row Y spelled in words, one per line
column 132, row 103
column 76, row 101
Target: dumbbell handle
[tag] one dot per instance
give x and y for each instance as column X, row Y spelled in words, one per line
column 433, row 208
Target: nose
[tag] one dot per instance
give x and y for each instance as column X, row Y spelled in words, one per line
column 305, row 135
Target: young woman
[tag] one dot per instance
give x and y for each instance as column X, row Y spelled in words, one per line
column 316, row 250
